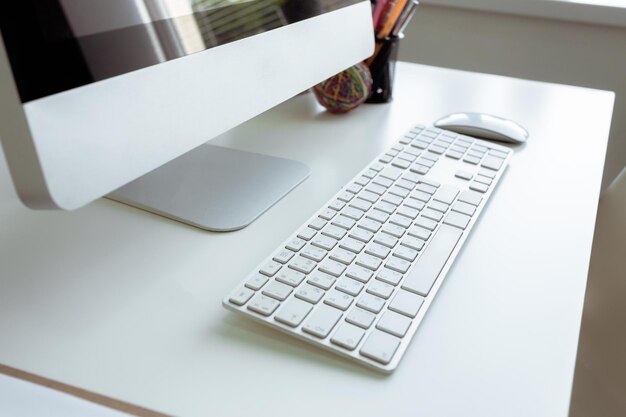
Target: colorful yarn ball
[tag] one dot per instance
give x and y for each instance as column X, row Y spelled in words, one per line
column 346, row 90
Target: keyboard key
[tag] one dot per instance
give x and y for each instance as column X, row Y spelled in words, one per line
column 471, row 159
column 428, row 267
column 241, row 296
column 302, row 264
column 270, row 269
column 360, row 204
column 333, row 268
column 492, row 162
column 321, row 279
column 389, row 276
column 464, row 208
column 293, row 312
column 401, row 163
column 470, row 197
column 290, row 277
column 283, row 256
column 382, row 181
column 420, row 144
column 483, row 180
column 327, row 214
column 426, row 223
column 295, row 244
column 457, row 220
column 454, row 154
column 446, row 194
column 385, row 159
column 477, row 186
column 487, row 173
column 386, row 240
column 377, row 215
column 401, row 221
column 361, row 234
column 347, row 336
column 432, row 214
column 377, row 167
column 498, row 153
column 392, row 173
column 463, row 175
column 352, row 245
column 376, row 189
column 377, row 249
column 361, row 318
column 420, row 196
column 380, row 347
column 399, row 191
column 338, row 299
column 394, row 323
column 437, row 149
column 277, row 290
column 354, row 188
column 406, row 253
column 353, row 213
column 324, row 242
column 385, row 207
column 370, row 173
column 317, row 223
column 309, row 293
column 362, row 181
column 398, row 265
column 414, row 204
column 370, row 225
column 334, row 232
column 369, row 262
column 359, row 273
column 371, row 303
column 394, row 230
column 345, row 196
column 428, row 189
column 307, row 233
column 263, row 305
column 420, row 169
column 349, row 286
column 409, row 212
column 256, row 282
column 425, row 161
column 337, row 205
column 392, row 199
column 343, row 256
column 406, row 303
column 380, row 289
column 314, row 253
column 322, row 321
column 413, row 243
column 439, row 206
column 344, row 222
column 420, row 232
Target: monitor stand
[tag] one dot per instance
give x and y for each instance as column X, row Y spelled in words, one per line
column 214, row 188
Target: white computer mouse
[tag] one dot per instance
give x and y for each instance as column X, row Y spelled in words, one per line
column 484, row 126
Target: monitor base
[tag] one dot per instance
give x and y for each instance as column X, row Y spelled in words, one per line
column 214, row 188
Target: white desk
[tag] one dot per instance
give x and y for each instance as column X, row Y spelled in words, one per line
column 126, row 304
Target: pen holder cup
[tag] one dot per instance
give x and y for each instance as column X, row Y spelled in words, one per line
column 382, row 66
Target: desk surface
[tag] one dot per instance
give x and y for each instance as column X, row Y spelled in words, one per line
column 127, row 305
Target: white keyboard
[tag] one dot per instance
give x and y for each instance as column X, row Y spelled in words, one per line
column 358, row 277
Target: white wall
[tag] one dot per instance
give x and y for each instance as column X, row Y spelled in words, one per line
column 526, row 47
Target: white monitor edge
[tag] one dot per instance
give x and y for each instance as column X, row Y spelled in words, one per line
column 71, row 148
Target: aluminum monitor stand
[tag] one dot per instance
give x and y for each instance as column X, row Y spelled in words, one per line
column 214, row 188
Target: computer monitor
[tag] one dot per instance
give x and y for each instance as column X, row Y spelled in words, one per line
column 96, row 94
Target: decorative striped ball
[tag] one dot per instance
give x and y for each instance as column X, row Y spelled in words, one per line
column 346, row 90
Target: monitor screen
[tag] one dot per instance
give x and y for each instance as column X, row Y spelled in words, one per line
column 57, row 45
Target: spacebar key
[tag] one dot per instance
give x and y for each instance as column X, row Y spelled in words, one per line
column 429, row 265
